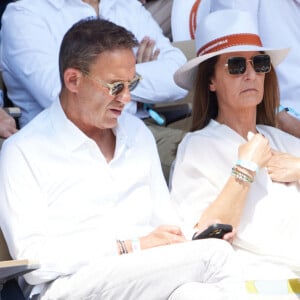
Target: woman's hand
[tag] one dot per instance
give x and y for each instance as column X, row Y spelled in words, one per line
column 229, row 237
column 163, row 235
column 256, row 150
column 283, row 167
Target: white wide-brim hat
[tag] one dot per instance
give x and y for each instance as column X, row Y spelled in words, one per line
column 220, row 32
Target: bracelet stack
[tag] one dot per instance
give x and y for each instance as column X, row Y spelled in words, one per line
column 244, row 171
column 241, row 176
column 122, row 247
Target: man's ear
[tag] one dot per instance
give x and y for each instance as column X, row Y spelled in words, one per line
column 72, row 78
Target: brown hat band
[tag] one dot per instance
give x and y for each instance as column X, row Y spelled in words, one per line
column 229, row 41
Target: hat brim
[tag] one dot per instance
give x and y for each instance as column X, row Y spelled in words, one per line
column 185, row 76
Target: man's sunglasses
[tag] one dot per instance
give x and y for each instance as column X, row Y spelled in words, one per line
column 117, row 87
column 237, row 65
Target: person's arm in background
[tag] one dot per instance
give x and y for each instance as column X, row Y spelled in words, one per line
column 289, row 123
column 158, row 84
column 7, row 124
column 30, row 55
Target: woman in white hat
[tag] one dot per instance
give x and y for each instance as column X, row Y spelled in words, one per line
column 235, row 165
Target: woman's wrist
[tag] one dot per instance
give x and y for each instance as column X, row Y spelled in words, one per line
column 248, row 165
column 242, row 175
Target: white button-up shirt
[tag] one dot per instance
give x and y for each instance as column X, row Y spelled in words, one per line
column 63, row 205
column 269, row 224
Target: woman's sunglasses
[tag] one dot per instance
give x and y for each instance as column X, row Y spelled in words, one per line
column 117, row 87
column 237, row 65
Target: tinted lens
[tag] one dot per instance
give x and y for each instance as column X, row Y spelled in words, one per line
column 261, row 63
column 236, row 65
column 133, row 84
column 117, row 88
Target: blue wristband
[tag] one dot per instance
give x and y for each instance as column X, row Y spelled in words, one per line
column 249, row 165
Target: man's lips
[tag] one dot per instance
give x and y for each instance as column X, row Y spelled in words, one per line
column 116, row 110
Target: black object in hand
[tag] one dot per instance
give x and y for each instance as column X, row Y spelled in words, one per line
column 213, row 231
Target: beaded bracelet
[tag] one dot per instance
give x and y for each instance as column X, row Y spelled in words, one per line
column 122, row 247
column 241, row 176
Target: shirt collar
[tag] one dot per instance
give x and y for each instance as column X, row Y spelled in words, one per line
column 73, row 138
column 121, row 131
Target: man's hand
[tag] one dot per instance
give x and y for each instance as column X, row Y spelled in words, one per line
column 163, row 235
column 7, row 124
column 256, row 150
column 146, row 51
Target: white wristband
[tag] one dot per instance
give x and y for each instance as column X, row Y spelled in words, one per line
column 249, row 165
column 136, row 245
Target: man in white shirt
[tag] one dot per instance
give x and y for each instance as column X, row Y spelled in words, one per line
column 81, row 187
column 32, row 31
